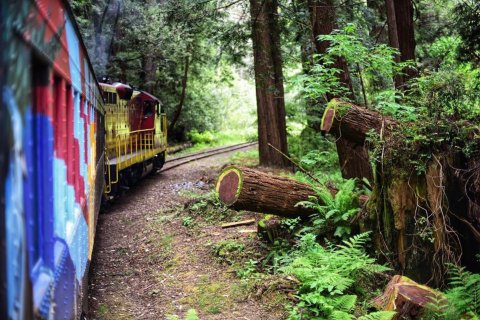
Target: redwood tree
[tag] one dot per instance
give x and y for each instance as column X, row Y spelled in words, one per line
column 401, row 34
column 323, row 21
column 269, row 82
column 406, row 34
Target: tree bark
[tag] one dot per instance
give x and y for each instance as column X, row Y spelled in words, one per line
column 269, row 82
column 401, row 35
column 246, row 189
column 393, row 37
column 178, row 111
column 405, row 34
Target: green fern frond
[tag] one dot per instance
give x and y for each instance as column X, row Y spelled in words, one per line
column 464, row 294
column 340, row 315
column 379, row 315
column 344, row 303
column 192, row 315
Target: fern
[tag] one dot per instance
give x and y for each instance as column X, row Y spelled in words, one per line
column 464, row 295
column 327, row 274
column 191, row 315
column 379, row 315
column 340, row 315
column 344, row 303
column 334, row 210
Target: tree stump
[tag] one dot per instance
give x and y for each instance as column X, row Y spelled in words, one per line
column 247, row 189
column 408, row 298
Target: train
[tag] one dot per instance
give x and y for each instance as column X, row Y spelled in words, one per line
column 67, row 144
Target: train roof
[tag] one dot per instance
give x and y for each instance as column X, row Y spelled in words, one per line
column 120, row 88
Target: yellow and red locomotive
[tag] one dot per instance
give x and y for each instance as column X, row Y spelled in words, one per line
column 136, row 136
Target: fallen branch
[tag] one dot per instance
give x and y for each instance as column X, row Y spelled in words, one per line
column 238, row 223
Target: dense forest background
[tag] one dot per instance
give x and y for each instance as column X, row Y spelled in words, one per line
column 197, row 56
column 394, row 83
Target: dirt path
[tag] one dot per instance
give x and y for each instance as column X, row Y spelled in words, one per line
column 150, row 263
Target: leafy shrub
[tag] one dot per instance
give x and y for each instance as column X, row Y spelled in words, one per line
column 205, row 137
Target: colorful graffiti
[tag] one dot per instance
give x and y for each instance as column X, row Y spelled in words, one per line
column 52, row 179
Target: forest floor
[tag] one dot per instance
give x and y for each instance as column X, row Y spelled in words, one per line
column 156, row 258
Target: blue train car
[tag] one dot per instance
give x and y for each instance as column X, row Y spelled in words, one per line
column 51, row 161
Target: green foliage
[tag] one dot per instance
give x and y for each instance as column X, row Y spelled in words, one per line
column 318, row 156
column 147, row 44
column 208, row 138
column 228, row 250
column 464, row 294
column 467, row 16
column 188, row 222
column 205, row 137
column 379, row 315
column 327, row 276
column 334, row 210
column 191, row 315
column 248, row 269
column 371, row 63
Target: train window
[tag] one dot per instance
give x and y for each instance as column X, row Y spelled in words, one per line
column 148, row 109
column 111, row 97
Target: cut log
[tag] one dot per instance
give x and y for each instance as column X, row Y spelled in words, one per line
column 408, row 298
column 247, row 189
column 350, row 124
column 348, row 121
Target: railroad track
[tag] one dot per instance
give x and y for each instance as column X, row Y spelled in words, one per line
column 178, row 161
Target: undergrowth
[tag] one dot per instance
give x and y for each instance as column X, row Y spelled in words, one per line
column 461, row 299
column 331, row 277
column 334, row 212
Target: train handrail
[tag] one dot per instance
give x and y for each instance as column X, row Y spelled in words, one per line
column 136, row 143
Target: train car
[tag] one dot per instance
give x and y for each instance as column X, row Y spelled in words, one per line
column 51, row 161
column 136, row 136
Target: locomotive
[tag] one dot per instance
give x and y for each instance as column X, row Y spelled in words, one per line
column 67, row 142
column 136, row 136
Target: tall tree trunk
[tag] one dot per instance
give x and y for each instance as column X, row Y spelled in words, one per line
column 149, row 64
column 322, row 19
column 401, row 35
column 269, row 82
column 393, row 37
column 178, row 111
column 406, row 34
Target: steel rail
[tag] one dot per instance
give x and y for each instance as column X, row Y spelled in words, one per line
column 204, row 154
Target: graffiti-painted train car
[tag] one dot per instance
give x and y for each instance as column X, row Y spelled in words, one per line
column 51, row 161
